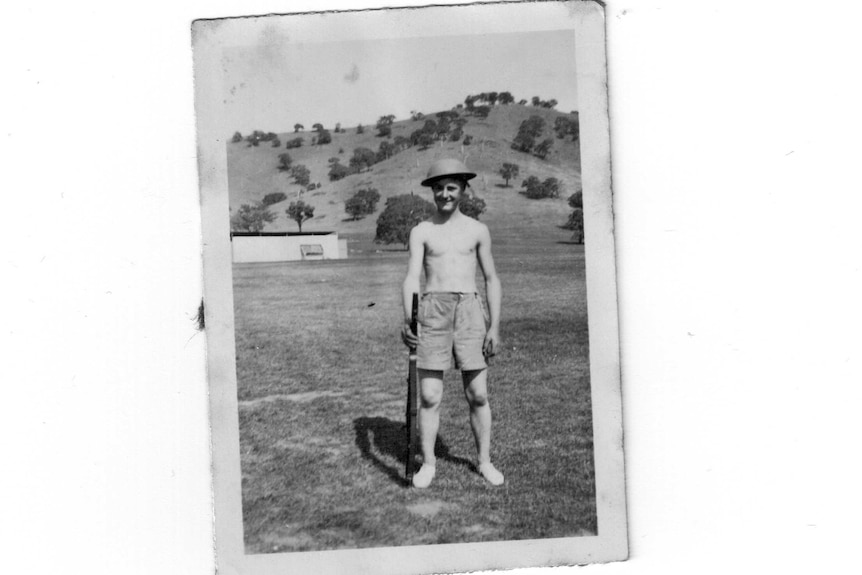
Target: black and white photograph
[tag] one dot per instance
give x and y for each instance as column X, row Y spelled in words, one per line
column 408, row 207
column 208, row 331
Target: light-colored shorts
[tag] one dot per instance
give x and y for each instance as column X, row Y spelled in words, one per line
column 451, row 323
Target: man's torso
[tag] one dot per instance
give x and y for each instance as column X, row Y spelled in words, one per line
column 450, row 255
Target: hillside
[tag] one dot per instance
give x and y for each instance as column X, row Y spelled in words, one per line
column 253, row 172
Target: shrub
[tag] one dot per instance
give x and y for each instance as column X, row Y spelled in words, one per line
column 274, row 198
column 536, row 190
column 399, row 216
column 251, row 218
column 472, row 206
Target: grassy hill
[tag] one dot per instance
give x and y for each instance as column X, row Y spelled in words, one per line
column 253, row 172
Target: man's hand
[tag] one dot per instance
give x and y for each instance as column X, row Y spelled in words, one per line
column 409, row 338
column 492, row 342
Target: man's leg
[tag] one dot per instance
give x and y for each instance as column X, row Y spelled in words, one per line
column 430, row 395
column 476, row 392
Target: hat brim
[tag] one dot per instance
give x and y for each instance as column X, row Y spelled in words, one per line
column 458, row 175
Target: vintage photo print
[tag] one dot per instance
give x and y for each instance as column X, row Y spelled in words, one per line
column 349, row 160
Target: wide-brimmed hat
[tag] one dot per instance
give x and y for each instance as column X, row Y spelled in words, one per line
column 447, row 168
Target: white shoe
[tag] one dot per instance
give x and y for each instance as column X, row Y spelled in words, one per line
column 423, row 477
column 490, row 473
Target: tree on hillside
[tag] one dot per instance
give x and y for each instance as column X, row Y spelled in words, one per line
column 362, row 159
column 274, row 198
column 384, row 126
column 237, row 137
column 301, row 174
column 401, row 215
column 317, row 127
column 576, row 224
column 522, row 102
column 338, row 128
column 294, row 143
column 536, row 101
column 509, row 171
column 544, row 148
column 297, row 128
column 538, row 190
column 549, row 104
column 360, row 129
column 482, row 111
column 251, row 218
column 576, row 200
column 300, row 212
column 505, row 98
column 338, row 171
column 472, row 206
column 276, row 143
column 284, row 161
column 385, row 151
column 362, row 203
column 324, row 138
column 528, row 131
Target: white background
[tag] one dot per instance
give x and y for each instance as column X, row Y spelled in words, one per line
column 736, row 139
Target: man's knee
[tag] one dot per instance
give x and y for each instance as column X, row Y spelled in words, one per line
column 475, row 387
column 431, row 397
column 431, row 387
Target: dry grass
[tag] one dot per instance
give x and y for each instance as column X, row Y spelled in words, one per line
column 321, row 375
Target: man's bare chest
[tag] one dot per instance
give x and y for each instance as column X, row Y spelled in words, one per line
column 451, row 245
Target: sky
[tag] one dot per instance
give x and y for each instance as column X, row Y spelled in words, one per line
column 273, row 85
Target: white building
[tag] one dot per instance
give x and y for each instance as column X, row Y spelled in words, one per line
column 249, row 247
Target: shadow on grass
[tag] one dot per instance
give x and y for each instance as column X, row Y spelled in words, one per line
column 389, row 438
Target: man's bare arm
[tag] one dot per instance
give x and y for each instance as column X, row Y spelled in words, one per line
column 412, row 281
column 493, row 291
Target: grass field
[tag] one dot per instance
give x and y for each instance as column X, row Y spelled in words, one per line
column 321, row 376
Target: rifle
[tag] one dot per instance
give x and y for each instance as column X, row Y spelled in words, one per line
column 412, row 408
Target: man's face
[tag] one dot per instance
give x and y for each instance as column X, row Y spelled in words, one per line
column 447, row 194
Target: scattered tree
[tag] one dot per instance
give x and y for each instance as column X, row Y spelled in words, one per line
column 251, row 218
column 294, row 143
column 482, row 111
column 237, row 137
column 576, row 224
column 468, row 139
column 384, row 126
column 536, row 101
column 276, row 143
column 360, row 129
column 300, row 212
column 301, row 174
column 385, row 151
column 505, row 98
column 324, row 137
column 522, row 102
column 362, row 159
column 528, row 131
column 298, row 128
column 338, row 129
column 284, row 161
column 317, row 127
column 544, row 148
column 338, row 171
column 536, row 190
column 274, row 198
column 472, row 206
column 509, row 171
column 576, row 200
column 399, row 216
column 362, row 203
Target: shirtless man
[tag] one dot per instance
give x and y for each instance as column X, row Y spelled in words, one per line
column 451, row 314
